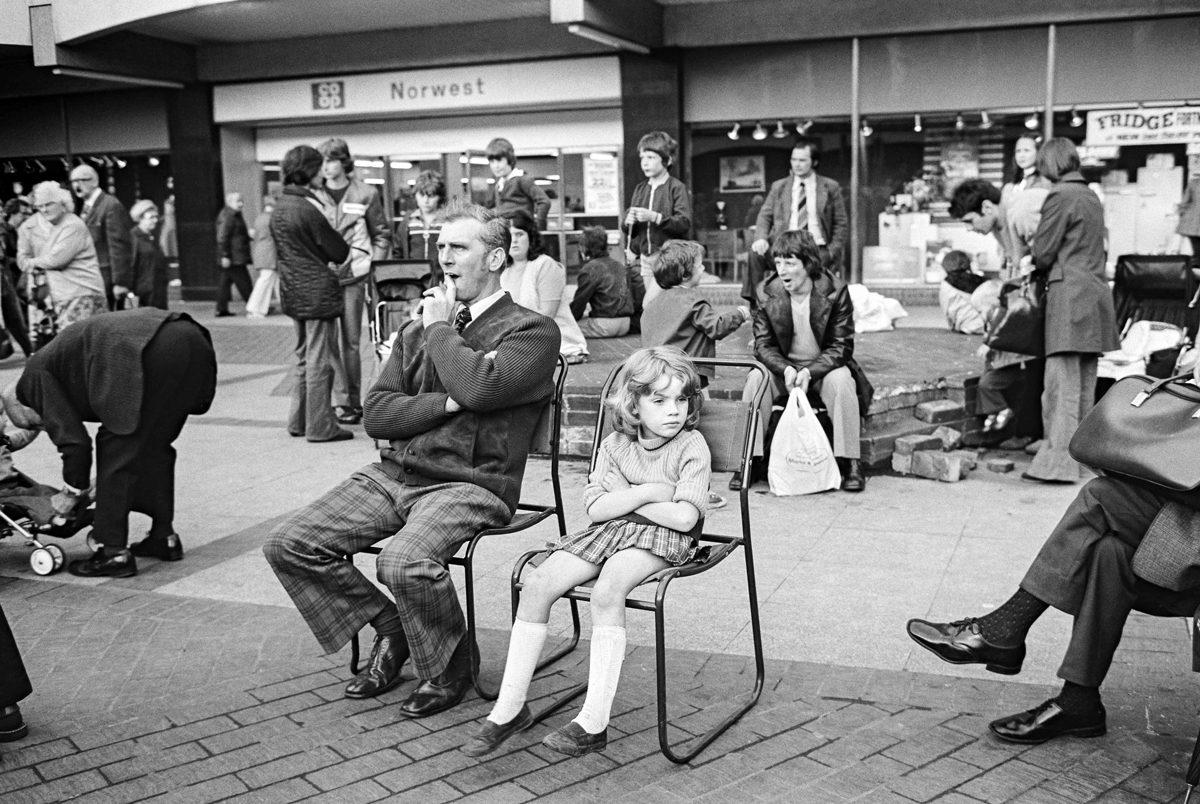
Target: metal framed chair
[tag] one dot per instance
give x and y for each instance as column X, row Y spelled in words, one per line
column 545, row 443
column 728, row 427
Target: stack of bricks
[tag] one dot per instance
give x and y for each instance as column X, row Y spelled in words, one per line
column 935, row 456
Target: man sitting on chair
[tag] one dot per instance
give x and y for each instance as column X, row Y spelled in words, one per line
column 457, row 403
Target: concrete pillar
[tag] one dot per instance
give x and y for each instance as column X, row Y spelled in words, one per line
column 196, row 164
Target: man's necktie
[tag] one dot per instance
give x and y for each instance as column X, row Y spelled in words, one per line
column 462, row 318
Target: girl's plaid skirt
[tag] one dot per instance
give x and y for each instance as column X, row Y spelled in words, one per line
column 597, row 543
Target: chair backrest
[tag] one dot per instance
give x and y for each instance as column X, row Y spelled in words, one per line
column 548, row 429
column 726, row 424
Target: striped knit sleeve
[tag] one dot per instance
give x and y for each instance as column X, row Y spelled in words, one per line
column 695, row 471
column 604, row 464
column 389, row 412
column 511, row 375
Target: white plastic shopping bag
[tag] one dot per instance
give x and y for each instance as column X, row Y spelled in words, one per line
column 801, row 458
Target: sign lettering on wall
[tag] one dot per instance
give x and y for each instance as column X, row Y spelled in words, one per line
column 327, row 95
column 518, row 86
column 1143, row 126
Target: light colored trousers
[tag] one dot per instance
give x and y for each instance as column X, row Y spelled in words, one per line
column 838, row 394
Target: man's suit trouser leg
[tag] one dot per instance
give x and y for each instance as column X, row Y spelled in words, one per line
column 757, row 266
column 14, row 681
column 307, row 552
column 1059, row 573
column 413, row 565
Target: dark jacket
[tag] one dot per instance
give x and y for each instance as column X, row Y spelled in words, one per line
column 831, row 314
column 520, row 192
column 499, row 369
column 776, row 214
column 1068, row 251
column 109, row 224
column 681, row 316
column 673, row 201
column 92, row 372
column 306, row 244
column 233, row 238
column 603, row 285
column 148, row 279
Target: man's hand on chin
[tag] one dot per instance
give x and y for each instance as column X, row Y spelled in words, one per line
column 439, row 301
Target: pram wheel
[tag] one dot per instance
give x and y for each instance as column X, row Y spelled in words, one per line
column 46, row 560
column 60, row 557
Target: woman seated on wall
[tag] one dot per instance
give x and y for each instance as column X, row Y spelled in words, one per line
column 804, row 333
column 538, row 282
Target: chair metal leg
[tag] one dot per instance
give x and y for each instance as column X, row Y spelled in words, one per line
column 701, row 742
column 472, row 634
column 354, row 654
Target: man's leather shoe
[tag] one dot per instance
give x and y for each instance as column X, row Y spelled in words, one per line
column 12, row 725
column 490, row 735
column 105, row 563
column 1047, row 721
column 961, row 642
column 165, row 548
column 383, row 668
column 852, row 476
column 735, row 482
column 447, row 690
column 347, row 414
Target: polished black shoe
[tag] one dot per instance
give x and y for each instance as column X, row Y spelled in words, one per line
column 383, row 668
column 346, row 414
column 12, row 725
column 447, row 690
column 1047, row 721
column 735, row 482
column 573, row 741
column 164, row 548
column 491, row 735
column 852, row 475
column 961, row 642
column 105, row 563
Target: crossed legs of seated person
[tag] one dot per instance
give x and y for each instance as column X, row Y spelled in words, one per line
column 1084, row 569
column 425, row 623
column 588, row 731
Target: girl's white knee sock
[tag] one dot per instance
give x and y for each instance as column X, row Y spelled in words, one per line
column 608, row 653
column 524, row 649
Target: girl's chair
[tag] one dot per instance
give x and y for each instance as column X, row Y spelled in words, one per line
column 728, row 427
column 545, row 443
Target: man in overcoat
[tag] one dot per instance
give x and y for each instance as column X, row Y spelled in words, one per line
column 1116, row 549
column 140, row 374
column 110, row 226
column 456, row 406
column 233, row 249
column 801, row 200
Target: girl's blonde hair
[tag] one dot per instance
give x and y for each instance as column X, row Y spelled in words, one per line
column 643, row 370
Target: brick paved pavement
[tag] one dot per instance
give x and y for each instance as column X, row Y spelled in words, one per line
column 197, row 682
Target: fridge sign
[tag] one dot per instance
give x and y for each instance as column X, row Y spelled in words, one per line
column 1144, row 126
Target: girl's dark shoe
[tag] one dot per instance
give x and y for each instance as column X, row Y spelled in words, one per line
column 491, row 736
column 573, row 741
column 12, row 726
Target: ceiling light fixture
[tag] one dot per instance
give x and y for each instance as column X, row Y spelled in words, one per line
column 985, row 121
column 959, row 123
column 917, row 123
column 760, row 133
column 1076, row 118
column 866, row 129
column 802, row 128
column 605, row 38
column 152, row 161
column 779, row 132
column 1031, row 121
column 735, row 132
column 96, row 75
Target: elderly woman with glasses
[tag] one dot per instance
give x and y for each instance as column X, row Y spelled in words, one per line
column 55, row 250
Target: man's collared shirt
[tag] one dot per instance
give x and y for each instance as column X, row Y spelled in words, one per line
column 90, row 201
column 809, row 186
column 479, row 306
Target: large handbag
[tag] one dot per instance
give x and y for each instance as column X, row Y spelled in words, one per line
column 1147, row 431
column 1019, row 323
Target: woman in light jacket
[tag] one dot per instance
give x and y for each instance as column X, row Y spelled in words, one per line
column 1068, row 254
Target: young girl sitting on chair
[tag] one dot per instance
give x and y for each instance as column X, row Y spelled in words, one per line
column 646, row 497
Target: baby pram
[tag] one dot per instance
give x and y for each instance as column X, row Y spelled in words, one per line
column 395, row 289
column 25, row 511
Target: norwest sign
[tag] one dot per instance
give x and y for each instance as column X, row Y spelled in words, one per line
column 519, row 86
column 1144, row 126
